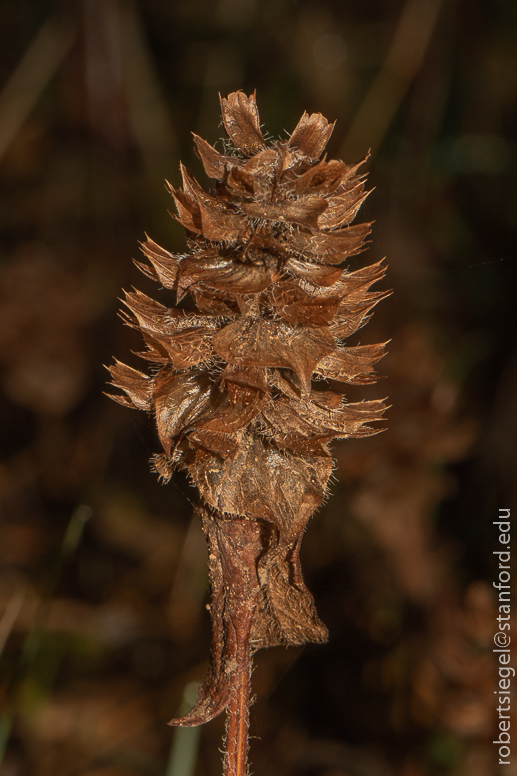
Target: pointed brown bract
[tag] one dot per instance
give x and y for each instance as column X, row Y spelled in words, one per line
column 232, row 389
column 241, row 122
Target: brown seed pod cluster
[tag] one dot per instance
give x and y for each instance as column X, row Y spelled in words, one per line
column 239, row 381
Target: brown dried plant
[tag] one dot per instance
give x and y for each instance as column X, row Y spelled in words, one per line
column 239, row 382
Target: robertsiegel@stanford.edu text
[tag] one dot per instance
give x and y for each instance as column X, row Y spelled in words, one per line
column 502, row 637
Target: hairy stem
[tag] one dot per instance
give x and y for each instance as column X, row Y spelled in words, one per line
column 237, row 722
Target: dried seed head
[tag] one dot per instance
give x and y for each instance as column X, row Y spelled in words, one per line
column 233, row 394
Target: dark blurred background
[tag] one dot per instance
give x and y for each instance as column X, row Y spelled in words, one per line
column 103, row 627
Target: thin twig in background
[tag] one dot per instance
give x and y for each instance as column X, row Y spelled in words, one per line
column 39, row 64
column 190, row 583
column 185, row 742
column 407, row 51
column 33, row 640
column 10, row 614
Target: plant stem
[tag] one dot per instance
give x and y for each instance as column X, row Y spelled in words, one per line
column 237, row 721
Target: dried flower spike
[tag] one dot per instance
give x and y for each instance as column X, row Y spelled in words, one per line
column 239, row 387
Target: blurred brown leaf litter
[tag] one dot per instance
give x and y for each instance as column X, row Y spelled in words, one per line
column 399, row 559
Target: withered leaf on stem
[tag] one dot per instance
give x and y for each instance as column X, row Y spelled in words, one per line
column 234, row 548
column 285, row 613
column 232, row 389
